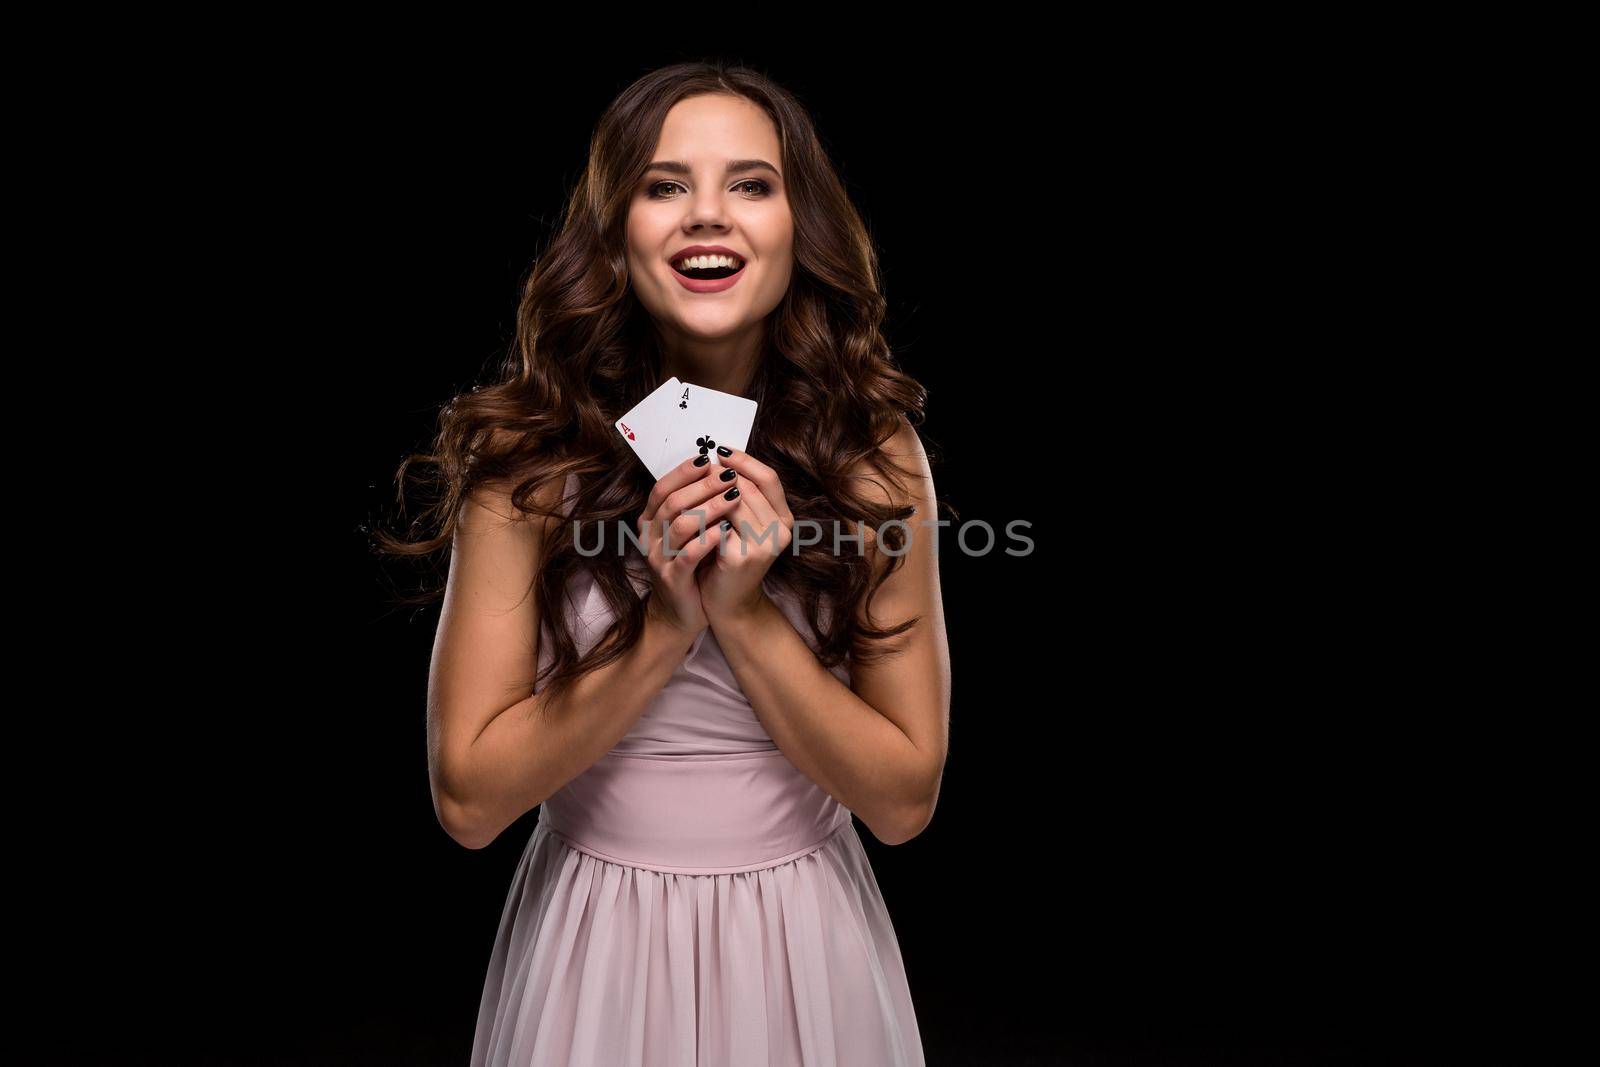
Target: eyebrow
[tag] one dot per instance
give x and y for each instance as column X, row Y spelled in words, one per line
column 673, row 166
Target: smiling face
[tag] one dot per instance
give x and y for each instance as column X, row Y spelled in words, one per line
column 710, row 238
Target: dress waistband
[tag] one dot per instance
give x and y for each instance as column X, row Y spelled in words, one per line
column 705, row 814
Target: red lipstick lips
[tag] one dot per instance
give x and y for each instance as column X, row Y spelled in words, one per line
column 706, row 285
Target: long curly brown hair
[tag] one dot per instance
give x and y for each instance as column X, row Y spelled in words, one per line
column 829, row 393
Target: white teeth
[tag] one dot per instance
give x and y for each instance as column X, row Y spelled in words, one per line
column 706, row 262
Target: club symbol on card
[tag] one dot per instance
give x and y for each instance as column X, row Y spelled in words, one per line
column 705, row 443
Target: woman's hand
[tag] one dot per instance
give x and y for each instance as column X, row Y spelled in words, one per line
column 762, row 527
column 680, row 527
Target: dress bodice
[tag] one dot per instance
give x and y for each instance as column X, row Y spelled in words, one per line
column 697, row 785
column 701, row 709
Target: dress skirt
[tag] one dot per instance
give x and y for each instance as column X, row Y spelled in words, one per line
column 598, row 962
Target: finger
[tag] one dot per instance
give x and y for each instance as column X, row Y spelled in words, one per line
column 652, row 543
column 685, row 473
column 764, row 514
column 753, row 470
column 693, row 495
column 757, row 521
column 690, row 526
column 654, row 532
column 700, row 548
column 756, row 534
column 731, row 545
column 694, row 520
column 663, row 552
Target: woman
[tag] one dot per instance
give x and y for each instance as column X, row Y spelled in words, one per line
column 698, row 721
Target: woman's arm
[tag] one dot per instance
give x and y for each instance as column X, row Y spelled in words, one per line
column 877, row 746
column 495, row 749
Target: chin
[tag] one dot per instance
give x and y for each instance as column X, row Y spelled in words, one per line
column 713, row 324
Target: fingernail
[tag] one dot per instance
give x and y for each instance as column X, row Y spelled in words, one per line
column 727, row 475
column 724, row 450
column 726, row 525
column 731, row 493
column 703, row 460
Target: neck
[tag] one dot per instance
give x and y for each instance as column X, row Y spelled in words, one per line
column 727, row 364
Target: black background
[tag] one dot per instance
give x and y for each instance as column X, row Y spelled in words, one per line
column 1175, row 824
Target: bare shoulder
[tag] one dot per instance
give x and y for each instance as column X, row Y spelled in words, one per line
column 910, row 483
column 497, row 547
column 490, row 504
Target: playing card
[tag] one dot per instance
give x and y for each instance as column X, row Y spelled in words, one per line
column 645, row 426
column 699, row 413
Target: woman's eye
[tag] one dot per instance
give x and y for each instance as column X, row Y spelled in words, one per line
column 750, row 186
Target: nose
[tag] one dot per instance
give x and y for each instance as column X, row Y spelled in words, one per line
column 706, row 210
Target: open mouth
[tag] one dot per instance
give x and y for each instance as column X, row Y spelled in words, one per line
column 708, row 268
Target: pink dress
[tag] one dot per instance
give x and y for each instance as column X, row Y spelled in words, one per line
column 694, row 900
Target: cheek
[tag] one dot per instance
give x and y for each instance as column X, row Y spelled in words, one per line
column 786, row 267
column 780, row 245
column 642, row 237
column 635, row 258
column 783, row 272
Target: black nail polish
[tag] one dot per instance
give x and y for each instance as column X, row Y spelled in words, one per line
column 726, row 525
column 728, row 474
column 702, row 460
column 731, row 493
column 723, row 450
